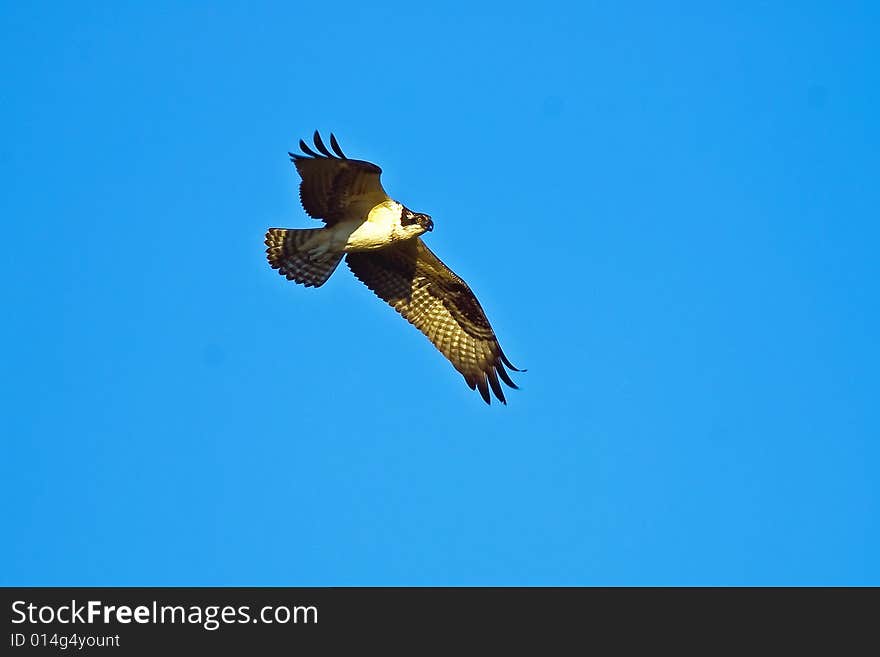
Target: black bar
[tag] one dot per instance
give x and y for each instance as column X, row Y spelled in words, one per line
column 122, row 621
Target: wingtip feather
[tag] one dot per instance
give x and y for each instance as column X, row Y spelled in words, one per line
column 507, row 362
column 496, row 387
column 319, row 144
column 484, row 390
column 505, row 376
column 304, row 147
column 335, row 146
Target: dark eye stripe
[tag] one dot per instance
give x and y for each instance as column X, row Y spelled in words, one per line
column 406, row 217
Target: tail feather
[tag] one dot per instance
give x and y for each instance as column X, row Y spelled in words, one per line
column 284, row 254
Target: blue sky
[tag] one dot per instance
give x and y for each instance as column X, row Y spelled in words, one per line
column 668, row 211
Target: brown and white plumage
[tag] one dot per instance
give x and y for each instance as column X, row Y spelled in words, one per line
column 381, row 238
column 333, row 186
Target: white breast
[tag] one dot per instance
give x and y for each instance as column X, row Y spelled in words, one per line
column 380, row 229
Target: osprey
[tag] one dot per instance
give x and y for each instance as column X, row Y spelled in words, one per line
column 380, row 239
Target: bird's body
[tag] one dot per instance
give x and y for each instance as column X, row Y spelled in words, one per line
column 378, row 228
column 381, row 238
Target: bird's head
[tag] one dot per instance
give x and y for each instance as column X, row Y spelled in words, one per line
column 416, row 222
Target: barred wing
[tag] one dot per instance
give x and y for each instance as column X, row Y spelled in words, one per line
column 334, row 187
column 440, row 304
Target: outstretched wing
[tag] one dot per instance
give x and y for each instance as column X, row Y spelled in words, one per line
column 334, row 187
column 440, row 304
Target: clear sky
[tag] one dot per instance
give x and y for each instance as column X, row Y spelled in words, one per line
column 668, row 211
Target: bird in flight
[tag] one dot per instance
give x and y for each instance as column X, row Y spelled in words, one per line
column 380, row 239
